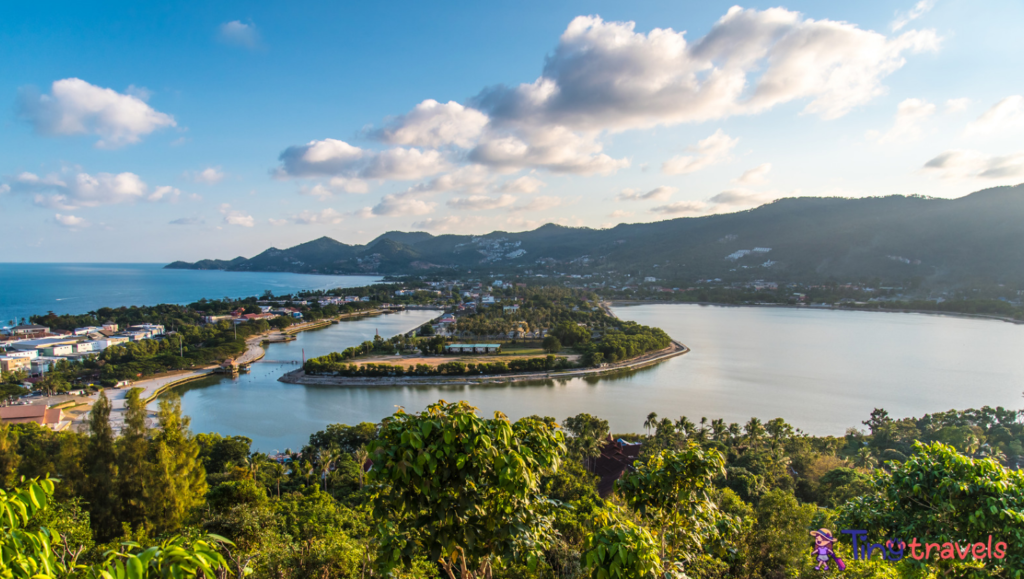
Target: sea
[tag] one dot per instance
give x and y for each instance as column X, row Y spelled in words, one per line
column 28, row 289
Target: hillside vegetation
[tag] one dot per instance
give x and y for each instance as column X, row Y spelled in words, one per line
column 976, row 237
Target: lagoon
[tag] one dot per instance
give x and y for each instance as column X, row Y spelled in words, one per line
column 823, row 371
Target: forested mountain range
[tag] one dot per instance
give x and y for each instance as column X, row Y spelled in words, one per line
column 898, row 238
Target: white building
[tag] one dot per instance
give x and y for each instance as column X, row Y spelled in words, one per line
column 650, row 279
column 85, row 331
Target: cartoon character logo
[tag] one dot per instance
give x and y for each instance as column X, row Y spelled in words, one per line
column 823, row 553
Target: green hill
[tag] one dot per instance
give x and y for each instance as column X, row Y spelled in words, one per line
column 976, row 237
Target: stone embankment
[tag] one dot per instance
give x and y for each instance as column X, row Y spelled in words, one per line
column 649, row 359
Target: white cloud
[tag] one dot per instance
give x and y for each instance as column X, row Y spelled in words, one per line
column 449, row 223
column 525, row 184
column 188, row 221
column 910, row 114
column 165, row 192
column 85, row 190
column 209, row 175
column 481, row 202
column 238, row 33
column 540, row 203
column 754, row 176
column 1004, row 115
column 432, row 124
column 325, row 217
column 657, row 194
column 471, row 178
column 732, row 199
column 957, row 105
column 392, row 205
column 606, row 76
column 235, row 217
column 619, row 214
column 70, row 221
column 680, row 207
column 335, row 186
column 76, row 107
column 277, row 222
column 331, row 157
column 961, row 164
column 555, row 148
column 4, row 188
column 904, row 18
column 709, row 151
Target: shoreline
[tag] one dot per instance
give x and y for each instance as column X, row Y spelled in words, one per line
column 629, row 303
column 299, row 376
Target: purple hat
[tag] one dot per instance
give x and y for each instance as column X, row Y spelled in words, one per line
column 824, row 533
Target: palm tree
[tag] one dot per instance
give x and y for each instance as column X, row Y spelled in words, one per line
column 361, row 456
column 277, row 471
column 652, row 421
column 685, row 426
column 734, row 431
column 718, row 428
column 326, row 458
column 754, row 430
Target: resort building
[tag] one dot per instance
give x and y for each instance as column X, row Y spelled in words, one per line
column 52, row 418
column 472, row 348
column 9, row 364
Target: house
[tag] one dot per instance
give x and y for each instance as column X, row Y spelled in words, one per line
column 108, row 342
column 58, row 350
column 472, row 348
column 85, row 331
column 109, row 326
column 510, row 309
column 52, row 418
column 649, row 279
column 487, row 300
column 8, row 364
column 616, row 456
column 82, row 347
column 29, row 330
column 27, row 354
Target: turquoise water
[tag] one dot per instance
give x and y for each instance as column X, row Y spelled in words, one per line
column 823, row 371
column 76, row 288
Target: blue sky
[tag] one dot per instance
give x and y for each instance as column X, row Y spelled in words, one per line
column 145, row 132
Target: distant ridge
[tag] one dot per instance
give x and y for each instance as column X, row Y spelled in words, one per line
column 976, row 237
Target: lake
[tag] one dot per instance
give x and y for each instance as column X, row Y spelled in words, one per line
column 28, row 289
column 823, row 371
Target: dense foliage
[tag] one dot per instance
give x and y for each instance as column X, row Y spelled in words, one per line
column 446, row 493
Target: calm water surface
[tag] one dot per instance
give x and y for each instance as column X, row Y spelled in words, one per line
column 28, row 289
column 823, row 371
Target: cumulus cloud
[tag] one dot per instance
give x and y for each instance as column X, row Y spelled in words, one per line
column 75, row 107
column 276, row 222
column 334, row 187
column 657, row 194
column 619, row 214
column 85, row 190
column 331, row 157
column 709, row 151
column 393, row 205
column 325, row 217
column 448, row 223
column 525, row 184
column 235, row 217
column 209, row 175
column 70, row 221
column 4, row 188
column 238, row 33
column 188, row 221
column 732, row 199
column 1005, row 114
column 606, row 76
column 961, row 164
column 910, row 115
column 957, row 105
column 432, row 124
column 904, row 18
column 555, row 148
column 481, row 202
column 164, row 193
column 471, row 178
column 754, row 176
